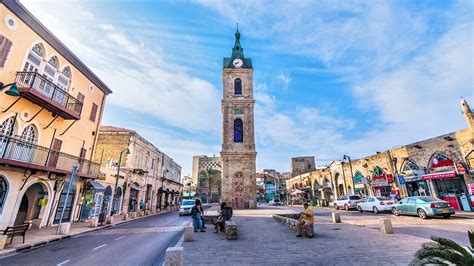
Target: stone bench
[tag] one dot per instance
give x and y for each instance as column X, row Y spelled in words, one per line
column 291, row 220
column 231, row 230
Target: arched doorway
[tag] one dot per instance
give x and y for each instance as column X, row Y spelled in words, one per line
column 159, row 197
column 316, row 189
column 3, row 192
column 33, row 204
column 339, row 184
column 107, row 200
column 117, row 203
column 238, row 191
column 133, row 200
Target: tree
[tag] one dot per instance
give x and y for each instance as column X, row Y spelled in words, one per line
column 445, row 252
column 213, row 179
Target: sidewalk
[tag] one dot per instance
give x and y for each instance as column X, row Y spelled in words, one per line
column 262, row 240
column 39, row 237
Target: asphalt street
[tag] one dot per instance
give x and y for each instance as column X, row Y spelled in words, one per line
column 140, row 242
column 452, row 228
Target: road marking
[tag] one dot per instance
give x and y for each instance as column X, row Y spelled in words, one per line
column 101, row 246
column 64, row 262
column 120, row 238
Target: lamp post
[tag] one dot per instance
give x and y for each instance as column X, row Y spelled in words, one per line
column 75, row 167
column 127, row 151
column 350, row 167
column 13, row 91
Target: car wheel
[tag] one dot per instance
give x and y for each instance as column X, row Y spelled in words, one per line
column 422, row 214
column 336, row 207
column 346, row 207
column 376, row 211
column 447, row 215
column 395, row 211
column 359, row 209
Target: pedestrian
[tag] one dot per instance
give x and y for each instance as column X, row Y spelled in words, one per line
column 142, row 206
column 306, row 220
column 393, row 196
column 197, row 214
column 225, row 213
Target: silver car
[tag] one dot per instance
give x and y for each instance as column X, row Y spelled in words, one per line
column 347, row 202
column 186, row 207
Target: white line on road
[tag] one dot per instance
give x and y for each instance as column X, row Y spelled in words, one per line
column 101, row 246
column 64, row 262
column 120, row 238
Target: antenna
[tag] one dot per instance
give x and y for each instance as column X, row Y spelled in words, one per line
column 237, row 26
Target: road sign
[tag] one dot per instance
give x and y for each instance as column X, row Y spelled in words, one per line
column 401, row 180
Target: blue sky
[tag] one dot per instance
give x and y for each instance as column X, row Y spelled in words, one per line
column 330, row 77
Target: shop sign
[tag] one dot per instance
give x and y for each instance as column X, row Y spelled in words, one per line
column 449, row 174
column 436, row 162
column 379, row 183
column 102, row 176
column 401, row 180
column 359, row 185
column 460, row 169
column 390, row 178
column 470, row 188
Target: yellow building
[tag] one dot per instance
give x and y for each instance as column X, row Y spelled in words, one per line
column 51, row 126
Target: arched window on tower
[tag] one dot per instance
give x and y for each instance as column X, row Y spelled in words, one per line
column 238, row 130
column 238, row 86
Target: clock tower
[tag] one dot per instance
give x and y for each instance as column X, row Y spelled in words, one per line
column 238, row 184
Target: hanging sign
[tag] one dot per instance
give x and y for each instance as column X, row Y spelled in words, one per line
column 401, row 180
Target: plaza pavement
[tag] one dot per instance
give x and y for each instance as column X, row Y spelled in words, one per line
column 263, row 241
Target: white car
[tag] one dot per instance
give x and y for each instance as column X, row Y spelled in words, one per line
column 375, row 204
column 186, row 207
column 275, row 202
column 347, row 202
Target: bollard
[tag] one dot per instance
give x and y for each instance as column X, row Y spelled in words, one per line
column 336, row 218
column 174, row 256
column 386, row 226
column 94, row 222
column 3, row 241
column 65, row 227
column 125, row 216
column 110, row 219
column 188, row 233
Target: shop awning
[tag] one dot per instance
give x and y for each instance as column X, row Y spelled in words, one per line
column 97, row 186
column 441, row 175
column 189, row 194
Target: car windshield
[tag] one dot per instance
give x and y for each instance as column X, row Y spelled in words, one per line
column 188, row 203
column 354, row 197
column 383, row 198
column 427, row 199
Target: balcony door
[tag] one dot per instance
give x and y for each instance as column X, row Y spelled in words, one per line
column 49, row 73
column 54, row 153
column 6, row 131
column 32, row 64
column 23, row 150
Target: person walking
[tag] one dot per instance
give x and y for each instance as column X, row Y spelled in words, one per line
column 142, row 206
column 306, row 220
column 197, row 214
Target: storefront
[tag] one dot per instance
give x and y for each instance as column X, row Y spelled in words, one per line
column 133, row 199
column 450, row 186
column 92, row 201
column 380, row 183
column 415, row 186
column 359, row 184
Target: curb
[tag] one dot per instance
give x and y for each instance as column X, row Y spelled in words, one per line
column 7, row 252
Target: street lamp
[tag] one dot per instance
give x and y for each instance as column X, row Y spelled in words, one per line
column 13, row 91
column 127, row 151
column 350, row 167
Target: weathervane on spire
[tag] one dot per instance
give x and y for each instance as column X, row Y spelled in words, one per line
column 237, row 26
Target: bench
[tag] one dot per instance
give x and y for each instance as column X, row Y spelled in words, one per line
column 17, row 230
column 230, row 230
column 291, row 220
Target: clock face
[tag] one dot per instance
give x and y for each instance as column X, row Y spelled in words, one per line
column 238, row 62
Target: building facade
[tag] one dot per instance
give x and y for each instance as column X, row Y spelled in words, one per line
column 270, row 185
column 441, row 167
column 238, row 141
column 302, row 164
column 206, row 178
column 48, row 122
column 146, row 173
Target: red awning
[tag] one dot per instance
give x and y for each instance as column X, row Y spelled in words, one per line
column 448, row 174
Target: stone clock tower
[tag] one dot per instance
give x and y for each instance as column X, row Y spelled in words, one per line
column 238, row 184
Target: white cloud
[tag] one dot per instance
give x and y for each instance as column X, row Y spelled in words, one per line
column 285, row 79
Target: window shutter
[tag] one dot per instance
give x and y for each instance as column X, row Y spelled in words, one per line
column 5, row 47
column 93, row 112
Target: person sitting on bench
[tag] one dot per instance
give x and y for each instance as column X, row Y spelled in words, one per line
column 225, row 213
column 306, row 220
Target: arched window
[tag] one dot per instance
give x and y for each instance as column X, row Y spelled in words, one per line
column 33, row 60
column 358, row 178
column 410, row 166
column 53, row 61
column 63, row 83
column 3, row 192
column 238, row 130
column 439, row 160
column 378, row 172
column 28, row 134
column 6, row 128
column 238, row 86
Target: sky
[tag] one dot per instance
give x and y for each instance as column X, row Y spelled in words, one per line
column 330, row 77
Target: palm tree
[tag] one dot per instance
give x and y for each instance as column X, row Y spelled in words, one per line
column 445, row 252
column 213, row 179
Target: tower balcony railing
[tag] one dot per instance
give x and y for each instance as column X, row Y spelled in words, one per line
column 19, row 153
column 38, row 89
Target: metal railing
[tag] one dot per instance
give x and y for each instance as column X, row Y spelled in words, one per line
column 13, row 148
column 36, row 81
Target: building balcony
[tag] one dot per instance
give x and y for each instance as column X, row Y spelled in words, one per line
column 40, row 90
column 18, row 153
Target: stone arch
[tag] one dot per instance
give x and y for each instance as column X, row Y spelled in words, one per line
column 35, row 210
column 442, row 160
column 409, row 165
column 339, row 184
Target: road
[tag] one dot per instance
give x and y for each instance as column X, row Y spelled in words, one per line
column 139, row 242
column 452, row 228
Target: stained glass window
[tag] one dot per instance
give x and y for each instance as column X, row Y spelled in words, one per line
column 238, row 130
column 238, row 86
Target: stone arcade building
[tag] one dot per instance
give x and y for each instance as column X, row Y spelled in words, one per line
column 238, row 142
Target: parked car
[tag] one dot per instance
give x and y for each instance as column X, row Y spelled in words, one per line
column 347, row 202
column 375, row 204
column 186, row 207
column 423, row 206
column 275, row 202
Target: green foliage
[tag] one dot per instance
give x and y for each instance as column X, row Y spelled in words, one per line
column 445, row 252
column 313, row 202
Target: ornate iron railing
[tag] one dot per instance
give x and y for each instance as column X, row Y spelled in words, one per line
column 15, row 149
column 36, row 81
